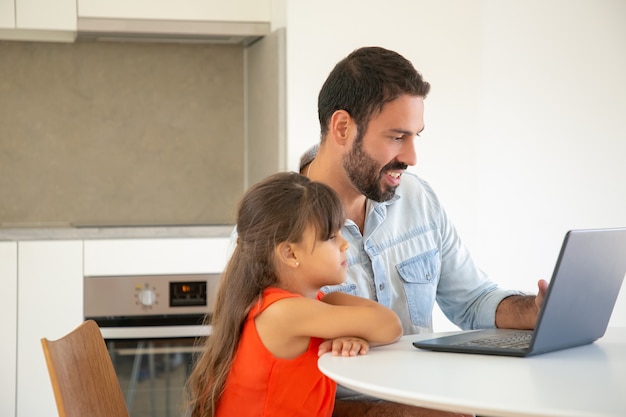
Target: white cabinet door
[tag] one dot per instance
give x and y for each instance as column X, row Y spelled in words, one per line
column 38, row 20
column 199, row 10
column 7, row 14
column 8, row 327
column 45, row 15
column 50, row 304
column 156, row 256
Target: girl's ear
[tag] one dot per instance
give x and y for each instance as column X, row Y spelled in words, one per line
column 285, row 254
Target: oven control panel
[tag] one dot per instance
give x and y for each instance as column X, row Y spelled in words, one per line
column 146, row 295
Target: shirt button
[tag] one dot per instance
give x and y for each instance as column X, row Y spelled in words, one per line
column 381, row 286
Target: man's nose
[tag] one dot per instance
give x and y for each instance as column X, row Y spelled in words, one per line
column 408, row 155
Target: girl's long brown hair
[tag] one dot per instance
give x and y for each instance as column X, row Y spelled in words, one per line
column 277, row 209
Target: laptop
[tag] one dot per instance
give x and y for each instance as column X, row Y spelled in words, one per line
column 576, row 310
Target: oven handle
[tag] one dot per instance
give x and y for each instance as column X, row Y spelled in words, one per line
column 154, row 332
column 158, row 350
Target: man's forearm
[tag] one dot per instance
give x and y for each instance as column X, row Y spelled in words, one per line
column 517, row 312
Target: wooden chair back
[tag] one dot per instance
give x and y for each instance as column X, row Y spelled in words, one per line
column 82, row 374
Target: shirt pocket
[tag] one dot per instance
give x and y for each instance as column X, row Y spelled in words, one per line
column 420, row 275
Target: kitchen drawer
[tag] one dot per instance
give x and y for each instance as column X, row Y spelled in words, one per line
column 155, row 256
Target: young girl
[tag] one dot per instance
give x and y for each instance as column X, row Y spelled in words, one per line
column 270, row 317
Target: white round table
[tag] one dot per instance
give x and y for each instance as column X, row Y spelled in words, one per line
column 587, row 381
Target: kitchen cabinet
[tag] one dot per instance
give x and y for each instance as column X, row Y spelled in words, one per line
column 46, row 15
column 38, row 20
column 50, row 304
column 8, row 327
column 193, row 10
column 7, row 14
column 42, row 274
column 155, row 256
column 58, row 20
column 225, row 22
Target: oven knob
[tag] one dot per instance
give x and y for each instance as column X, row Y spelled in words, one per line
column 147, row 297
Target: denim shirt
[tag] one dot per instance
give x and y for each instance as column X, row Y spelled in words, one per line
column 410, row 256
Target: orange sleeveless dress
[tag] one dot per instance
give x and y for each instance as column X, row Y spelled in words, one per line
column 261, row 385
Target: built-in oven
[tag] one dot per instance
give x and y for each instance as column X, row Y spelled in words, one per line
column 152, row 325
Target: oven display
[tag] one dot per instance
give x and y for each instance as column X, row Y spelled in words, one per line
column 190, row 293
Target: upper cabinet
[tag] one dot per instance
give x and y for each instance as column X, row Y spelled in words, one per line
column 190, row 10
column 46, row 15
column 7, row 14
column 233, row 22
column 40, row 20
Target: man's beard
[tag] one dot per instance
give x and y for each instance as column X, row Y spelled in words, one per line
column 364, row 174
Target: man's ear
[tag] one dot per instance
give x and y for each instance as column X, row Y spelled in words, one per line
column 341, row 127
column 285, row 254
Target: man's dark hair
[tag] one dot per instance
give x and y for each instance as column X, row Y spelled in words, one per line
column 364, row 81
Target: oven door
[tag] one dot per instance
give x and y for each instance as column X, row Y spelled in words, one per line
column 152, row 371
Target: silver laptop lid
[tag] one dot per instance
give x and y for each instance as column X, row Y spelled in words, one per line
column 583, row 289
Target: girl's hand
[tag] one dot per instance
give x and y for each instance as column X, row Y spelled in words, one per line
column 344, row 346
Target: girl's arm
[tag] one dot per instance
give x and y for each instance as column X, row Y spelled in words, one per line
column 385, row 327
column 286, row 326
column 348, row 346
column 344, row 346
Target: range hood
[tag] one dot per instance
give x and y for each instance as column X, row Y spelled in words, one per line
column 139, row 30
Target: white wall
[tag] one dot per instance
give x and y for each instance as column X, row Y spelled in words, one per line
column 525, row 123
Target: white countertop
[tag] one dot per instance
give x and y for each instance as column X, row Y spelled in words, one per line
column 118, row 232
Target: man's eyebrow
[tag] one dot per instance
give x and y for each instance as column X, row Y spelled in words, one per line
column 406, row 132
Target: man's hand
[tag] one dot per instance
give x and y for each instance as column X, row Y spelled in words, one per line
column 543, row 289
column 521, row 312
column 344, row 346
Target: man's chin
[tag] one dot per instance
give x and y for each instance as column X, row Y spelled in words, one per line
column 383, row 195
column 388, row 196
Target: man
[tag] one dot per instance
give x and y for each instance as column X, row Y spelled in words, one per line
column 404, row 251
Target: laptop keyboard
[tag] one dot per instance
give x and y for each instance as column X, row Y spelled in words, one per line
column 509, row 341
